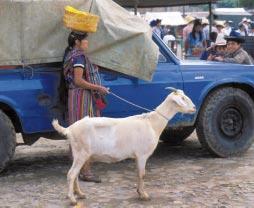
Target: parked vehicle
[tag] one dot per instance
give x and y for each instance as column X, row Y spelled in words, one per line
column 30, row 98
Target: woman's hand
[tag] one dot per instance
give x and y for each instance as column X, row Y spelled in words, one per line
column 103, row 90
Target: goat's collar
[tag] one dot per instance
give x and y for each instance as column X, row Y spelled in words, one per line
column 161, row 115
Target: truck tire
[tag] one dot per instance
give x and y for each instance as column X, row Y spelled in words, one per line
column 7, row 140
column 176, row 136
column 225, row 124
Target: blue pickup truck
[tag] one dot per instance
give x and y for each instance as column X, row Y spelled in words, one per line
column 31, row 96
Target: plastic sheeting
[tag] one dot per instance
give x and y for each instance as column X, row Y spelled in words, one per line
column 32, row 32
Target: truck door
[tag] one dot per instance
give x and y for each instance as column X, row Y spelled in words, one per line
column 148, row 94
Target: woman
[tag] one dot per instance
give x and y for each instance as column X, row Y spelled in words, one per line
column 84, row 89
column 195, row 43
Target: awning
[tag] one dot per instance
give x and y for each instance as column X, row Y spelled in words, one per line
column 167, row 18
column 231, row 11
column 161, row 3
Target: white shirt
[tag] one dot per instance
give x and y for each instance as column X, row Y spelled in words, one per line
column 227, row 30
column 168, row 38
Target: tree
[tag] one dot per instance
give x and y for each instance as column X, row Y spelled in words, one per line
column 227, row 3
column 246, row 3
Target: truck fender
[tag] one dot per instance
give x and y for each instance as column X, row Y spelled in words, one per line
column 4, row 100
column 222, row 82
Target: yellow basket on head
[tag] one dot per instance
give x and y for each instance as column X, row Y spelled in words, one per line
column 80, row 21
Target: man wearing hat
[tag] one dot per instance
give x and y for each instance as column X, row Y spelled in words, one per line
column 245, row 24
column 235, row 53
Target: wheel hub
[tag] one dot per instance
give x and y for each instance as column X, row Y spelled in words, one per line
column 231, row 122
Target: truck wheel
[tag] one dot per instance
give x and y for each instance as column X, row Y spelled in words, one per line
column 7, row 140
column 176, row 136
column 226, row 122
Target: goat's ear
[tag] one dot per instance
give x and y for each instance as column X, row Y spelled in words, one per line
column 179, row 100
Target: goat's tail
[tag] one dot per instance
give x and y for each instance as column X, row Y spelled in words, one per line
column 61, row 130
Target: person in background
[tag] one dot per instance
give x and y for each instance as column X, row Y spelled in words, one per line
column 157, row 28
column 227, row 29
column 249, row 25
column 195, row 43
column 206, row 30
column 83, row 85
column 169, row 39
column 235, row 53
column 218, row 49
column 210, row 46
column 242, row 30
column 220, row 29
column 251, row 29
column 188, row 28
column 245, row 24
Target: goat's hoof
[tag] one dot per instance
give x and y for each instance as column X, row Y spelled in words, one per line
column 73, row 201
column 81, row 196
column 144, row 196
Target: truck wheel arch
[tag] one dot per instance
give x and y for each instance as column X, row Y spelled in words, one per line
column 249, row 88
column 8, row 140
column 11, row 113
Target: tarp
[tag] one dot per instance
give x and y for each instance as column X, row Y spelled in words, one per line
column 32, row 32
column 167, row 18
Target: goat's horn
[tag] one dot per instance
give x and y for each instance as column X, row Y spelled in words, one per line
column 171, row 88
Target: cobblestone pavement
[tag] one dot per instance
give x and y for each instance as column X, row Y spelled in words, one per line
column 183, row 176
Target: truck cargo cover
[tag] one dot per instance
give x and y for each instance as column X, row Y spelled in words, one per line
column 32, row 32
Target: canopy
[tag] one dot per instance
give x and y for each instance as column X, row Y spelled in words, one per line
column 161, row 3
column 231, row 11
column 167, row 18
column 32, row 32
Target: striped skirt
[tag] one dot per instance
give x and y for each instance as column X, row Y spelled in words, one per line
column 80, row 104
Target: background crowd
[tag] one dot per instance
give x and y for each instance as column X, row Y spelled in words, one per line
column 202, row 41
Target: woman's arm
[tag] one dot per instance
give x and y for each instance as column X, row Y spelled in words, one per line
column 80, row 82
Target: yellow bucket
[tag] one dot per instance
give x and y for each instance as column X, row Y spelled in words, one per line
column 80, row 21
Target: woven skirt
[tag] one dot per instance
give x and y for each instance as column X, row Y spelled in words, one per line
column 80, row 104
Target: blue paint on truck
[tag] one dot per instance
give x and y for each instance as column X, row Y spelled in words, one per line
column 30, row 96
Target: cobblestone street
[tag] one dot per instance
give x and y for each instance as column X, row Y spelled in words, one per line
column 182, row 176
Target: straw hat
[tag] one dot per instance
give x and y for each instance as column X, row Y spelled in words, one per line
column 189, row 19
column 220, row 23
column 205, row 21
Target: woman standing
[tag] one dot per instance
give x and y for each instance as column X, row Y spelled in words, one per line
column 195, row 44
column 84, row 88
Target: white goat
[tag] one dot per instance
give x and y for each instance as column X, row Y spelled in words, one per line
column 113, row 139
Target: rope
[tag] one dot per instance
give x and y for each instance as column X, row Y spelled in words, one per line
column 28, row 66
column 137, row 106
